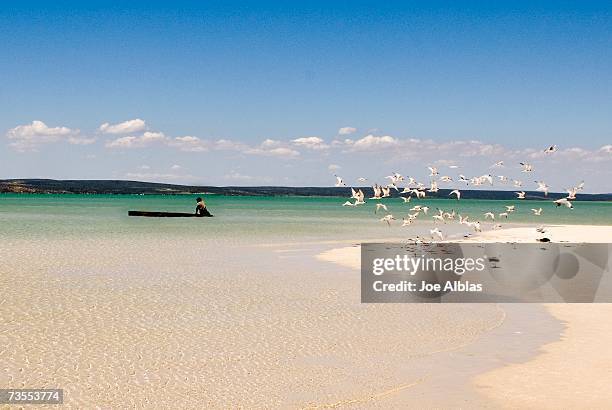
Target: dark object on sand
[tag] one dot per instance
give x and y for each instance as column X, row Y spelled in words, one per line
column 167, row 214
column 544, row 240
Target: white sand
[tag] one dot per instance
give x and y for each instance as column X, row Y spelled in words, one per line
column 574, row 372
column 556, row 233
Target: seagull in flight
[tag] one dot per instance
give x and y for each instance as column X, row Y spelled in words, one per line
column 564, row 202
column 437, row 232
column 379, row 206
column 387, row 219
column 406, row 199
column 433, row 171
column 361, row 179
column 520, row 195
column 377, row 192
column 498, row 164
column 510, row 208
column 542, row 187
column 456, row 192
column 339, row 181
column 537, row 212
column 550, row 149
column 489, row 215
column 526, row 167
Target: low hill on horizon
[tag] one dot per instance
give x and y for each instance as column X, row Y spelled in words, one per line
column 52, row 186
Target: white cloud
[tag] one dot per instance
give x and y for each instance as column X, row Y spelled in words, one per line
column 346, row 130
column 30, row 136
column 141, row 141
column 280, row 152
column 81, row 140
column 189, row 144
column 229, row 145
column 175, row 167
column 606, row 149
column 370, row 142
column 126, row 127
column 314, row 143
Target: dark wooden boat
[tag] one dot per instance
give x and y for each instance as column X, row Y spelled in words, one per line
column 165, row 214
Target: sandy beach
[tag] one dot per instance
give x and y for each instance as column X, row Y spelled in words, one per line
column 157, row 322
column 573, row 371
column 143, row 322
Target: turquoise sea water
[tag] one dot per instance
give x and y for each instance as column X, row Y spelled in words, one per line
column 31, row 216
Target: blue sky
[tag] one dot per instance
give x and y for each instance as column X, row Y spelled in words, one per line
column 517, row 76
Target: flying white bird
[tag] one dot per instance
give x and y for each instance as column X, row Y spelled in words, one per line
column 418, row 194
column 510, row 208
column 349, row 203
column 550, row 149
column 542, row 187
column 565, row 202
column 504, row 214
column 362, row 179
column 526, row 167
column 475, row 226
column 395, row 178
column 498, row 164
column 571, row 193
column 406, row 199
column 433, row 187
column 377, row 192
column 379, row 206
column 386, row 191
column 392, row 186
column 537, row 212
column 433, row 171
column 437, row 232
column 456, row 192
column 463, row 219
column 518, row 183
column 439, row 217
column 489, row 215
column 446, row 178
column 387, row 219
column 520, row 195
column 339, row 181
column 359, row 196
column 463, row 178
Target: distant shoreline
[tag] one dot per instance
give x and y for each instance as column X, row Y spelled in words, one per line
column 52, row 186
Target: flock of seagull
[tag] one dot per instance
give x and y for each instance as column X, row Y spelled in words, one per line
column 417, row 190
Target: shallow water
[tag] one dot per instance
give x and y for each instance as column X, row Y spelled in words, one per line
column 248, row 218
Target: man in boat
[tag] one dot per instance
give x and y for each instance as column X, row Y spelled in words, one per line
column 201, row 208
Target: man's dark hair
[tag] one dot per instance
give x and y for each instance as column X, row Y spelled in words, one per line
column 199, row 199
